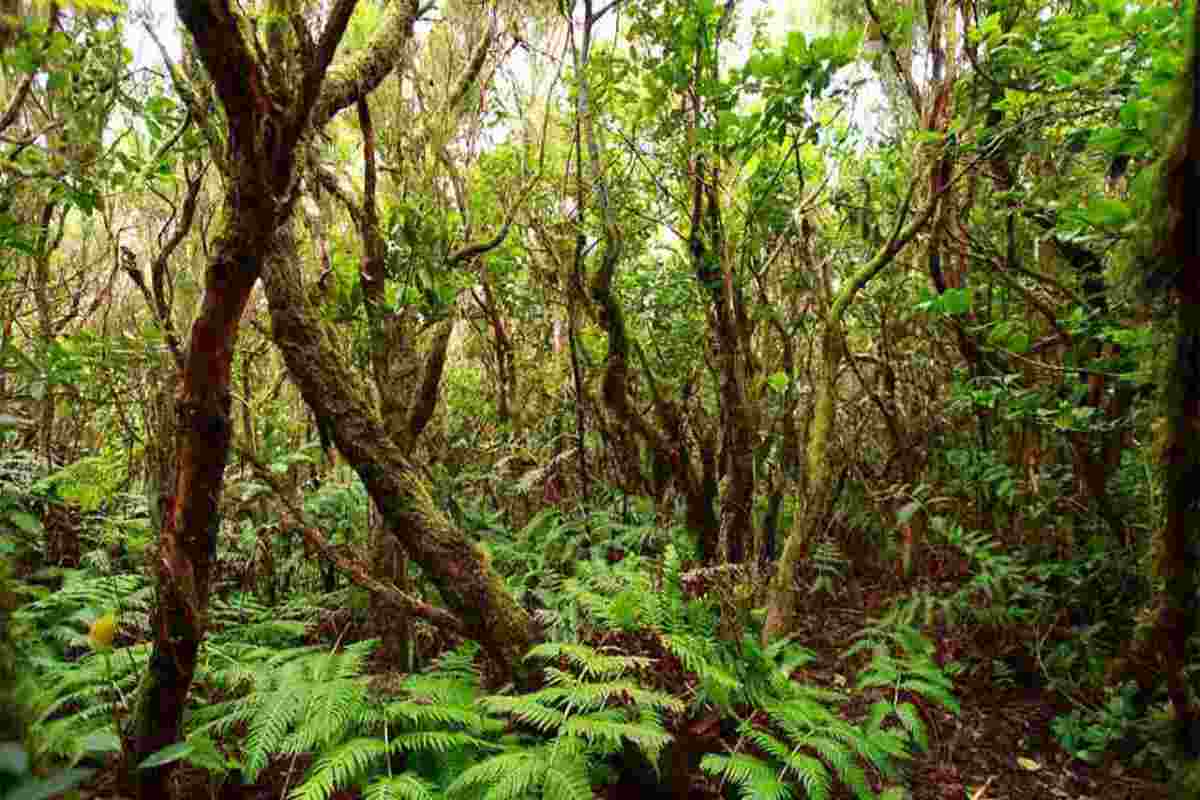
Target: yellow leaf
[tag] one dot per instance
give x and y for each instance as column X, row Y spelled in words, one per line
column 100, row 634
column 1028, row 763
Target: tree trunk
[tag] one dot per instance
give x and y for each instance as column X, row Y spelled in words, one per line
column 188, row 538
column 264, row 125
column 469, row 586
column 785, row 596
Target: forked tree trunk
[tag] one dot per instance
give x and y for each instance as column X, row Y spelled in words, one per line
column 264, row 125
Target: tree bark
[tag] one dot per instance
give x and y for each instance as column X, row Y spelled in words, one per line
column 264, row 124
column 188, row 538
column 784, row 595
column 469, row 586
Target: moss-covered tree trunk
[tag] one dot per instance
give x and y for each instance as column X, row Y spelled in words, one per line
column 1177, row 557
column 783, row 595
column 265, row 119
column 469, row 586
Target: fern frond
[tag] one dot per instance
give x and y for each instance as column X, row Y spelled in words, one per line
column 520, row 771
column 566, row 779
column 838, row 755
column 932, row 692
column 568, row 691
column 414, row 714
column 650, row 740
column 911, row 719
column 754, row 778
column 765, row 741
column 528, row 710
column 268, row 729
column 590, row 662
column 698, row 656
column 399, row 787
column 811, row 774
column 329, row 711
column 437, row 742
column 340, row 768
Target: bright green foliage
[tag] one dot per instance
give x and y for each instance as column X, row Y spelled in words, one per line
column 588, row 712
column 79, row 698
column 299, row 700
column 306, row 700
column 903, row 663
column 805, row 744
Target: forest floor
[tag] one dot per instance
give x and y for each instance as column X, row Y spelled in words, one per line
column 1000, row 747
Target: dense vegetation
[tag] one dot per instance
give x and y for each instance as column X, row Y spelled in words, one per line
column 655, row 398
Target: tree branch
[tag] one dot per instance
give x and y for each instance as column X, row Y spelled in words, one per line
column 314, row 73
column 346, row 83
column 231, row 66
column 357, row 571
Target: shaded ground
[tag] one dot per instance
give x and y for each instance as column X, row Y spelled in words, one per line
column 1001, row 746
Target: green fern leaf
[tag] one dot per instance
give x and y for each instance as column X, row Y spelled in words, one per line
column 649, row 740
column 269, row 728
column 399, row 787
column 519, row 770
column 910, row 717
column 812, row 774
column 754, row 778
column 340, row 769
column 932, row 692
column 566, row 780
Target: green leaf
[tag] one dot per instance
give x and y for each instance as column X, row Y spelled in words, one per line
column 956, row 302
column 26, row 522
column 167, row 755
column 1107, row 212
column 1063, row 78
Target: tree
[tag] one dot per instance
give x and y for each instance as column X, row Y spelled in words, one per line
column 267, row 114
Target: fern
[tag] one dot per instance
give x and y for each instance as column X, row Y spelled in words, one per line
column 581, row 716
column 903, row 664
column 436, row 723
column 345, row 765
column 754, row 778
column 79, row 696
column 400, row 787
column 802, row 744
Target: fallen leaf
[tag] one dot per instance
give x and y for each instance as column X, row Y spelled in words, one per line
column 978, row 793
column 1028, row 763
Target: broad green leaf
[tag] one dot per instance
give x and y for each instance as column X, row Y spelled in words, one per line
column 956, row 302
column 1107, row 212
column 778, row 382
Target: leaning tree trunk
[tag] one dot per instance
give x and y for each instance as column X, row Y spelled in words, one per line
column 1164, row 651
column 188, row 538
column 469, row 586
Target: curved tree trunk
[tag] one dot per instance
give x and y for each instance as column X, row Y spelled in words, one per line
column 783, row 595
column 471, row 589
